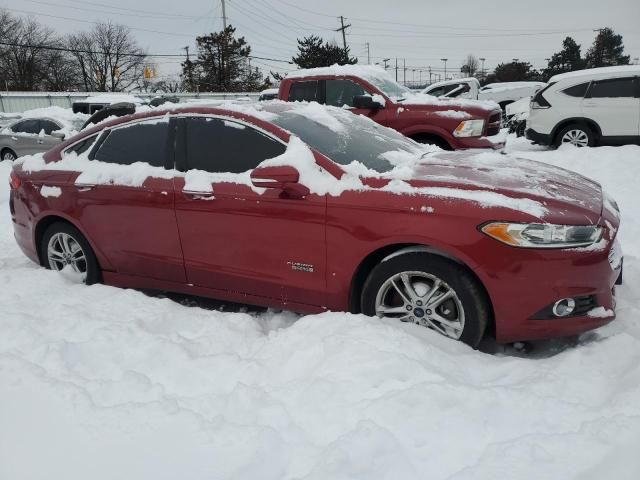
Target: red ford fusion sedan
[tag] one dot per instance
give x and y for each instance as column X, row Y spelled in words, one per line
column 311, row 208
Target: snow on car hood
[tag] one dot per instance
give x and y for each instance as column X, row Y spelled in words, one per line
column 561, row 193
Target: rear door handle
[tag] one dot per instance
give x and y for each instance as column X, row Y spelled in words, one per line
column 199, row 195
column 84, row 187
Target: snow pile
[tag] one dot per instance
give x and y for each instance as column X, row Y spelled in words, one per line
column 455, row 114
column 111, row 98
column 47, row 191
column 97, row 381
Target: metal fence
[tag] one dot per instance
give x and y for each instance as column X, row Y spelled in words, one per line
column 17, row 102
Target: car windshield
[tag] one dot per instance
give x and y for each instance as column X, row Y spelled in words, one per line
column 345, row 138
column 389, row 87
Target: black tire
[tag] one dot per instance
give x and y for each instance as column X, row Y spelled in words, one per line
column 92, row 267
column 577, row 127
column 5, row 154
column 471, row 295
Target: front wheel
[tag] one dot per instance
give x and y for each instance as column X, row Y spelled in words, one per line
column 9, row 155
column 431, row 291
column 64, row 249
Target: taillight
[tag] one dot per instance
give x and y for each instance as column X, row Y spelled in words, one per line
column 14, row 181
column 538, row 101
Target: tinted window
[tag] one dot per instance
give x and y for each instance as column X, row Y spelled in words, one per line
column 577, row 90
column 48, row 126
column 27, row 126
column 139, row 142
column 82, row 146
column 304, row 92
column 216, row 145
column 438, row 92
column 341, row 92
column 615, row 88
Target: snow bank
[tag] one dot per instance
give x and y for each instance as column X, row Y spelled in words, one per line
column 97, row 381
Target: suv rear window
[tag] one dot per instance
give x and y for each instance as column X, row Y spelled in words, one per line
column 305, row 92
column 614, row 88
column 577, row 90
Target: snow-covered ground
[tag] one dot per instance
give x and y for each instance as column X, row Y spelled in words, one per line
column 101, row 383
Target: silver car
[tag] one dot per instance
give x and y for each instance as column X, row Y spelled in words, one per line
column 31, row 135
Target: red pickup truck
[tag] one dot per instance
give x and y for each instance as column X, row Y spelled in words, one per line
column 367, row 90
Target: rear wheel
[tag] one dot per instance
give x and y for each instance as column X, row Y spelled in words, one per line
column 8, row 154
column 65, row 249
column 577, row 135
column 430, row 291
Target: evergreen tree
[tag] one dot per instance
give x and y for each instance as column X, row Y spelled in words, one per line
column 513, row 72
column 222, row 65
column 313, row 52
column 607, row 50
column 566, row 60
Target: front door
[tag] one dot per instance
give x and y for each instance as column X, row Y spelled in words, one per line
column 238, row 239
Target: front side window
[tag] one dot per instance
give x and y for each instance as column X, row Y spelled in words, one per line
column 139, row 142
column 305, row 92
column 225, row 146
column 577, row 90
column 341, row 92
column 27, row 126
column 615, row 88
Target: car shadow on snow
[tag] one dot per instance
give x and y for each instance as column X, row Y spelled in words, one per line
column 538, row 349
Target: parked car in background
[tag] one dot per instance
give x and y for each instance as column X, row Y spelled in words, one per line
column 268, row 94
column 502, row 93
column 312, row 208
column 94, row 103
column 452, row 124
column 516, row 115
column 30, row 135
column 598, row 106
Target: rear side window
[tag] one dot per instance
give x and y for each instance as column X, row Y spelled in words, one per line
column 27, row 126
column 614, row 88
column 577, row 90
column 82, row 146
column 341, row 92
column 140, row 142
column 305, row 92
column 223, row 146
column 48, row 126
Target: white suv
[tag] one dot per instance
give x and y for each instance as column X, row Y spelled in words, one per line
column 600, row 106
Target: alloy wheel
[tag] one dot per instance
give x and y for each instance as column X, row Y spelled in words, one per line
column 64, row 251
column 8, row 155
column 424, row 299
column 576, row 137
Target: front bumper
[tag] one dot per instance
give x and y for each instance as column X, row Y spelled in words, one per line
column 495, row 142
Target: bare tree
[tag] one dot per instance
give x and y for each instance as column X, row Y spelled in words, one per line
column 24, row 57
column 470, row 66
column 108, row 58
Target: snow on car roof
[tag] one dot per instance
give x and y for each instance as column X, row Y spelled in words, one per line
column 593, row 72
column 363, row 71
column 454, row 80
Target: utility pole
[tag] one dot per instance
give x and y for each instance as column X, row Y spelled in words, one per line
column 430, row 82
column 224, row 15
column 445, row 67
column 396, row 69
column 404, row 71
column 368, row 53
column 482, row 59
column 343, row 28
column 189, row 76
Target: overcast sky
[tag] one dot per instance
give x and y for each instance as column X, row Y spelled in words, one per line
column 420, row 31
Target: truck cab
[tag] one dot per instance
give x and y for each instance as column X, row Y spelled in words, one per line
column 452, row 124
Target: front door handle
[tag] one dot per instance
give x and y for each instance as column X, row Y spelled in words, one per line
column 199, row 195
column 85, row 187
column 15, row 139
column 40, row 142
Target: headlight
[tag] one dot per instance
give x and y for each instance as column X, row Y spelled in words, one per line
column 543, row 235
column 469, row 128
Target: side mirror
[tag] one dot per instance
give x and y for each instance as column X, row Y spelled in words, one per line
column 283, row 178
column 58, row 134
column 366, row 101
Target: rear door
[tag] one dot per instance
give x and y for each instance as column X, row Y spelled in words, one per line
column 24, row 137
column 614, row 104
column 126, row 202
column 236, row 239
